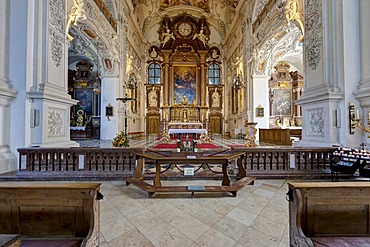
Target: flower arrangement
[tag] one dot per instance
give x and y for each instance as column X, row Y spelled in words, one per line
column 120, row 140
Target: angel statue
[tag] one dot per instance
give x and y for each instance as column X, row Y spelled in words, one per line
column 201, row 37
column 77, row 13
column 167, row 36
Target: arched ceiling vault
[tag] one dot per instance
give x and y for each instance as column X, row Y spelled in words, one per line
column 218, row 13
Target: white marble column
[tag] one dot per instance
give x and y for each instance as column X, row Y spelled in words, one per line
column 7, row 94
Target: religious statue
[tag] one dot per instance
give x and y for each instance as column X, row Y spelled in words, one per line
column 201, row 37
column 184, row 100
column 214, row 54
column 184, row 116
column 292, row 122
column 77, row 13
column 153, row 53
column 167, row 36
column 278, row 122
column 153, row 98
column 80, row 118
column 215, row 99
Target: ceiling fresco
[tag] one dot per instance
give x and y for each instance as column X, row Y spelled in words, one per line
column 203, row 4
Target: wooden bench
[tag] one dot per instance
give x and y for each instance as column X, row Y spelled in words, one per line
column 329, row 213
column 51, row 214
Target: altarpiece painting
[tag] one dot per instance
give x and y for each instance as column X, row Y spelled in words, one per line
column 185, row 84
column 282, row 102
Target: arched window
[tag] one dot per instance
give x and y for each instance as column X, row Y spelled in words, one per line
column 214, row 74
column 154, row 73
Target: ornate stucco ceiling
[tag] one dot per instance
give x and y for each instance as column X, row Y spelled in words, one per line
column 218, row 13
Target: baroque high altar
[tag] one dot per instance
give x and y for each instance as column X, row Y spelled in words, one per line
column 184, row 89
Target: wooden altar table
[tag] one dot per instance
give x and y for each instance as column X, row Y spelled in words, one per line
column 190, row 158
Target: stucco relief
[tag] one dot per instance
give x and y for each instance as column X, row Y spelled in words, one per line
column 313, row 51
column 316, row 122
column 55, row 122
column 56, row 30
column 259, row 7
column 98, row 42
column 57, row 17
column 57, row 47
column 313, row 29
column 222, row 26
column 80, row 45
column 313, row 15
column 146, row 23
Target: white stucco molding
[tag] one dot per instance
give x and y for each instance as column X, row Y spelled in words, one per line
column 318, row 96
column 363, row 92
column 52, row 93
column 7, row 94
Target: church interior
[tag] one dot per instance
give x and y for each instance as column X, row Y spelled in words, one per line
column 243, row 105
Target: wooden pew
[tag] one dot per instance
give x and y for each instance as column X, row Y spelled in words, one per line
column 329, row 213
column 50, row 214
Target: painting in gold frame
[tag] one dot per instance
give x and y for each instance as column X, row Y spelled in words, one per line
column 282, row 102
column 185, row 84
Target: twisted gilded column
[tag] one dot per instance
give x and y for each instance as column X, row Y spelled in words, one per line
column 203, row 78
column 166, row 77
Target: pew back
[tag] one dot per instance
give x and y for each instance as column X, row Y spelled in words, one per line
column 50, row 210
column 328, row 209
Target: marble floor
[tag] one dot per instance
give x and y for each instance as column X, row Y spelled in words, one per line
column 258, row 216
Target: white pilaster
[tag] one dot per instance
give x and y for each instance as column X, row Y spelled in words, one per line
column 331, row 66
column 261, row 98
column 109, row 127
column 7, row 94
column 38, row 72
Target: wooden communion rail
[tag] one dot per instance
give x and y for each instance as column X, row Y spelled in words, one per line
column 120, row 163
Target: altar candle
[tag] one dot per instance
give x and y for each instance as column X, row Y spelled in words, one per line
column 357, row 114
column 203, row 117
column 164, row 115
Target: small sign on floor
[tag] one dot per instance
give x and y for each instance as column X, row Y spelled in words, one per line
column 189, row 171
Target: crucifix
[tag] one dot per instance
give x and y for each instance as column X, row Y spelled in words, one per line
column 124, row 100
